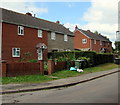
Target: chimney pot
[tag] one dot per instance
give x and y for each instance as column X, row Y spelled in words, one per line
column 58, row 22
column 29, row 14
column 76, row 27
column 88, row 30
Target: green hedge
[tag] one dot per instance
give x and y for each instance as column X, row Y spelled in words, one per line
column 103, row 58
column 95, row 59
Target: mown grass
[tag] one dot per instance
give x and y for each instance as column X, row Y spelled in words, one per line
column 59, row 74
column 26, row 79
column 103, row 67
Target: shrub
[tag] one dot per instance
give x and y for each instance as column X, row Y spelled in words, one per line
column 33, row 60
column 71, row 55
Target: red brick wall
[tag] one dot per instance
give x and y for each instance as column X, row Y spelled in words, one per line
column 90, row 44
column 26, row 43
column 60, row 66
column 96, row 47
column 78, row 40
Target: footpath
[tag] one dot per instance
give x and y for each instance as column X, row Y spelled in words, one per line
column 15, row 88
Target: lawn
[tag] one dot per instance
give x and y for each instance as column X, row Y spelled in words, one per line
column 59, row 74
column 102, row 67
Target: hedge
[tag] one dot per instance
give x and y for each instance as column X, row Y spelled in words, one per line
column 95, row 58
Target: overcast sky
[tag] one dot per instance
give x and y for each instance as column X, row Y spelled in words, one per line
column 95, row 15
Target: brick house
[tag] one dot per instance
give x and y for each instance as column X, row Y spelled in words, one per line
column 25, row 34
column 62, row 40
column 89, row 41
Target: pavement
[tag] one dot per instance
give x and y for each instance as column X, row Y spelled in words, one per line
column 15, row 88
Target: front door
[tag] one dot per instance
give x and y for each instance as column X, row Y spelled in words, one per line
column 40, row 54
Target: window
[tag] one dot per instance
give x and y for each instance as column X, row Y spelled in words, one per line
column 40, row 33
column 15, row 52
column 53, row 37
column 20, row 30
column 94, row 41
column 84, row 41
column 100, row 42
column 65, row 38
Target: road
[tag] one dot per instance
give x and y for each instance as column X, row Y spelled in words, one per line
column 102, row 90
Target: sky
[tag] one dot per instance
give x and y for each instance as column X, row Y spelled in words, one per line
column 94, row 15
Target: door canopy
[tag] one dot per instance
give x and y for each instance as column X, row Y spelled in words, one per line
column 41, row 46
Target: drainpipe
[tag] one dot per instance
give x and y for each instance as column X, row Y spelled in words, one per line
column 90, row 44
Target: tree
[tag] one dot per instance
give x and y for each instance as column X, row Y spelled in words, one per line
column 117, row 46
column 96, row 32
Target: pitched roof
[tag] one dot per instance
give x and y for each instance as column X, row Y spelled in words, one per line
column 92, row 35
column 12, row 17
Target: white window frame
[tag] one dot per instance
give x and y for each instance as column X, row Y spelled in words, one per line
column 20, row 30
column 84, row 41
column 65, row 37
column 40, row 33
column 100, row 42
column 53, row 35
column 94, row 41
column 108, row 44
column 15, row 52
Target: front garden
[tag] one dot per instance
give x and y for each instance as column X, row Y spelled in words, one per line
column 57, row 75
column 62, row 61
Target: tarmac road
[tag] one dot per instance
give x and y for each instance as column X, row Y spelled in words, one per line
column 101, row 90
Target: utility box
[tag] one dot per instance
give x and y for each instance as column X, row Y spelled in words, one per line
column 117, row 61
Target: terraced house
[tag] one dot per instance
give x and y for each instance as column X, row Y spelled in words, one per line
column 89, row 41
column 23, row 33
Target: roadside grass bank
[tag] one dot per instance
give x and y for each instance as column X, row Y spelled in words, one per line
column 56, row 75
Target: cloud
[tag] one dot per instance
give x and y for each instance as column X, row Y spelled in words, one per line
column 102, row 12
column 23, row 7
column 102, row 16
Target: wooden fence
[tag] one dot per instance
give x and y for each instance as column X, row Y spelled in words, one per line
column 18, row 69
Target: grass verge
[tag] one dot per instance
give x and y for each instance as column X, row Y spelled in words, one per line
column 102, row 67
column 26, row 79
column 59, row 74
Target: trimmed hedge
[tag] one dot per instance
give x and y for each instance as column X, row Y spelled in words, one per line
column 103, row 58
column 95, row 59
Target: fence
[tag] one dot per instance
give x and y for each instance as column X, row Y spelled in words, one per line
column 18, row 69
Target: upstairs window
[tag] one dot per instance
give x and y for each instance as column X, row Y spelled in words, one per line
column 53, row 36
column 15, row 52
column 84, row 41
column 94, row 41
column 40, row 33
column 20, row 30
column 108, row 44
column 65, row 38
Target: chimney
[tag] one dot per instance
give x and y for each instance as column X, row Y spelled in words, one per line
column 88, row 30
column 58, row 22
column 76, row 27
column 29, row 14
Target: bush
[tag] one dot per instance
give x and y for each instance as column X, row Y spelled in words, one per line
column 94, row 58
column 72, row 55
column 103, row 58
column 33, row 60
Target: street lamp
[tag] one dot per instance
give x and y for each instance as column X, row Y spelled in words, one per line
column 117, row 39
column 117, row 34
